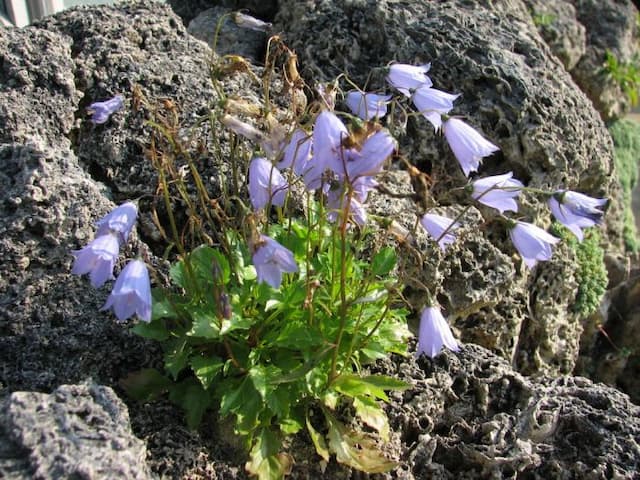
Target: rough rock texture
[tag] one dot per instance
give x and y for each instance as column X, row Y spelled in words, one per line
column 522, row 99
column 468, row 415
column 560, row 28
column 77, row 431
column 190, row 9
column 611, row 26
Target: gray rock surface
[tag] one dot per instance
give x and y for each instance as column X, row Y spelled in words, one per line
column 468, row 415
column 77, row 431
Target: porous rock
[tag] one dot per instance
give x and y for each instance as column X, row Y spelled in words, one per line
column 77, row 431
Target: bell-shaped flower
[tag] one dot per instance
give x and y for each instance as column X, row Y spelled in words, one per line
column 434, row 333
column 271, row 260
column 131, row 293
column 367, row 105
column 101, row 111
column 467, row 144
column 370, row 158
column 328, row 134
column 361, row 187
column 297, row 152
column 576, row 210
column 247, row 21
column 498, row 191
column 439, row 228
column 533, row 243
column 407, row 78
column 339, row 203
column 243, row 129
column 97, row 259
column 266, row 184
column 119, row 221
column 432, row 104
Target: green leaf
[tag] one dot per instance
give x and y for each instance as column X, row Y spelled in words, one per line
column 299, row 336
column 154, row 330
column 145, row 385
column 372, row 414
column 264, row 459
column 206, row 369
column 193, row 399
column 318, row 441
column 236, row 322
column 176, row 357
column 356, row 449
column 161, row 306
column 383, row 261
column 373, row 385
column 204, row 323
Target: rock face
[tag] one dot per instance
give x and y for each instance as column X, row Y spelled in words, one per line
column 78, row 431
column 467, row 416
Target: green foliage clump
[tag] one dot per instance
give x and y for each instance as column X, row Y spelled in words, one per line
column 591, row 273
column 626, row 139
column 625, row 74
column 542, row 19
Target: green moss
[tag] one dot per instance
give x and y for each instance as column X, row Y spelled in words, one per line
column 626, row 139
column 591, row 273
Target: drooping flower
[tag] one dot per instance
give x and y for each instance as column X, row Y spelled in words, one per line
column 432, row 104
column 434, row 333
column 467, row 144
column 131, row 293
column 271, row 260
column 576, row 210
column 242, row 128
column 266, row 184
column 532, row 242
column 440, row 228
column 340, row 203
column 367, row 105
column 297, row 152
column 328, row 134
column 119, row 221
column 362, row 186
column 407, row 78
column 369, row 159
column 97, row 259
column 247, row 21
column 101, row 111
column 498, row 191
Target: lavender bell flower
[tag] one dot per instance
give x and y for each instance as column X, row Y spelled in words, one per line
column 337, row 205
column 297, row 152
column 266, row 184
column 328, row 134
column 131, row 293
column 498, row 191
column 532, row 242
column 467, row 144
column 367, row 105
column 434, row 333
column 271, row 260
column 576, row 210
column 97, row 259
column 370, row 159
column 432, row 104
column 119, row 221
column 407, row 78
column 436, row 225
column 101, row 111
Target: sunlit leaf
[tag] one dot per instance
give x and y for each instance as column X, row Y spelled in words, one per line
column 383, row 261
column 206, row 368
column 318, row 441
column 372, row 414
column 264, row 459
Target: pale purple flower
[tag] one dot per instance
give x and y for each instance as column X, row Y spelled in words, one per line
column 576, row 210
column 271, row 260
column 101, row 111
column 432, row 104
column 97, row 259
column 297, row 152
column 361, row 187
column 131, row 293
column 119, row 221
column 367, row 105
column 498, row 191
column 337, row 203
column 533, row 243
column 328, row 134
column 467, row 144
column 243, row 129
column 407, row 78
column 440, row 228
column 434, row 333
column 370, row 158
column 251, row 23
column 266, row 184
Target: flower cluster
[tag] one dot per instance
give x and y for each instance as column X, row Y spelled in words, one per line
column 132, row 291
column 101, row 111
